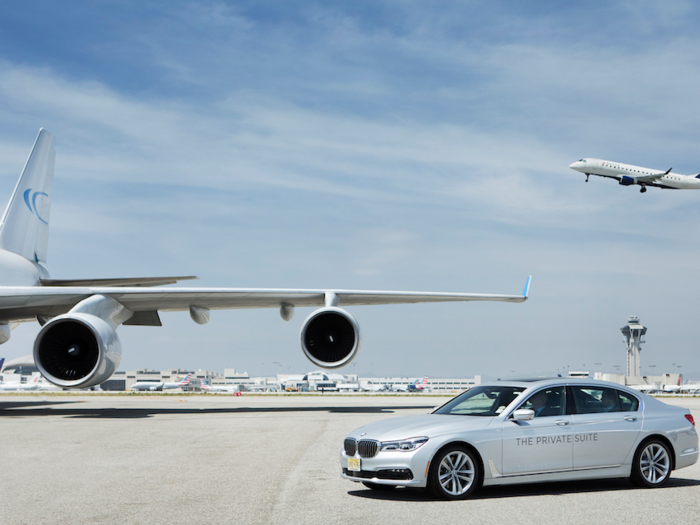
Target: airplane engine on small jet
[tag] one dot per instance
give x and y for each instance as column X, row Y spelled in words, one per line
column 626, row 181
column 330, row 337
column 77, row 350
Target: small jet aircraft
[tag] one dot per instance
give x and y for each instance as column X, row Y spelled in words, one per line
column 213, row 389
column 159, row 386
column 628, row 175
column 78, row 346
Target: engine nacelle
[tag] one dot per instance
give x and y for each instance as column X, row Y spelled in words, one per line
column 77, row 350
column 330, row 337
column 626, row 181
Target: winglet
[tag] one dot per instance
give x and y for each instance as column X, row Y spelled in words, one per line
column 669, row 171
column 526, row 290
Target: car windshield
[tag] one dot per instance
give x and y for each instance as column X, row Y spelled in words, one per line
column 482, row 401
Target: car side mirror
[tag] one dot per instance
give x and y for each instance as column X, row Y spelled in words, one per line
column 523, row 414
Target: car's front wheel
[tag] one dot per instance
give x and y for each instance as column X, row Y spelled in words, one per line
column 651, row 466
column 454, row 473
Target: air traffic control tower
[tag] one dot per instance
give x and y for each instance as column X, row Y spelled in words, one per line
column 634, row 337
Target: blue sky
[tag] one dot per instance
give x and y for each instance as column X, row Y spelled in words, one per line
column 373, row 145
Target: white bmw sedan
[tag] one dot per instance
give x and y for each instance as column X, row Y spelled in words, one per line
column 525, row 432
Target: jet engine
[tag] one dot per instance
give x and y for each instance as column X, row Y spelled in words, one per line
column 77, row 350
column 626, row 181
column 330, row 337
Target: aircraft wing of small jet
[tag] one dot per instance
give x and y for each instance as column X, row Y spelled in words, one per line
column 28, row 303
column 652, row 178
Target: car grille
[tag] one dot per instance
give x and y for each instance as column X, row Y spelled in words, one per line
column 367, row 448
column 350, row 447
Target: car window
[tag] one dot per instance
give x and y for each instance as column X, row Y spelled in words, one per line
column 547, row 402
column 481, row 401
column 628, row 403
column 596, row 400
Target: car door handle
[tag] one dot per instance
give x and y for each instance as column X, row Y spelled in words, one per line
column 630, row 418
column 561, row 422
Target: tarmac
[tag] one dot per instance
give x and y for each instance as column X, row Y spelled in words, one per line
column 220, row 459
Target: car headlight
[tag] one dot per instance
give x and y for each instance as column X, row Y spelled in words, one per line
column 404, row 445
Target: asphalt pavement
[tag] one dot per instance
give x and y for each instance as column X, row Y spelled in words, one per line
column 253, row 459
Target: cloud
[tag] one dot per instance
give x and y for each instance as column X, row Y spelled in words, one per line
column 390, row 145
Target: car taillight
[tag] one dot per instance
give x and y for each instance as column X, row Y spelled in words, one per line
column 689, row 417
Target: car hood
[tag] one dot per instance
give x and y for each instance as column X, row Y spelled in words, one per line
column 430, row 425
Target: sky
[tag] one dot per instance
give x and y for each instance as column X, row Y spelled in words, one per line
column 381, row 145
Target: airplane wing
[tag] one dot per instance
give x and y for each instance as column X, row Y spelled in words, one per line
column 28, row 303
column 649, row 179
column 121, row 281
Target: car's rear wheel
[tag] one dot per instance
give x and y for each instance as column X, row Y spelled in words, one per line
column 651, row 466
column 377, row 486
column 454, row 473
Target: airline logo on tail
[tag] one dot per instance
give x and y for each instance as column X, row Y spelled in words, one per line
column 205, row 386
column 31, row 202
column 423, row 384
column 186, row 381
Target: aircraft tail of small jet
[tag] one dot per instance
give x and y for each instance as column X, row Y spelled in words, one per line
column 186, row 381
column 205, row 385
column 24, row 228
column 2, row 363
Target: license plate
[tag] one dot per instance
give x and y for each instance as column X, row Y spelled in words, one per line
column 354, row 464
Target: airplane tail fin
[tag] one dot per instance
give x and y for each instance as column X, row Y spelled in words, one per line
column 24, row 228
column 186, row 381
column 35, row 377
column 204, row 384
column 2, row 363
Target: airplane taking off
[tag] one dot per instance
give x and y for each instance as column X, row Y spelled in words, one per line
column 78, row 346
column 159, row 386
column 628, row 175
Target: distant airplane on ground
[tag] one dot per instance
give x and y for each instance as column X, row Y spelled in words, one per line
column 158, row 386
column 213, row 389
column 2, row 363
column 417, row 387
column 628, row 175
column 368, row 386
column 78, row 346
column 16, row 385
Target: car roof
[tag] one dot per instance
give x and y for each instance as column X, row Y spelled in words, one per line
column 531, row 383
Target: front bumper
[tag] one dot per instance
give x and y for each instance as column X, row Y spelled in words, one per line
column 400, row 469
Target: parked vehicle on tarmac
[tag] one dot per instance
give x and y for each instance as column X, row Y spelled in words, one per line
column 525, row 431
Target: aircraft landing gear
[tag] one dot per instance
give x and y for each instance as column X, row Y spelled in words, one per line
column 643, row 190
column 587, row 175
